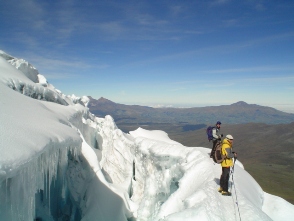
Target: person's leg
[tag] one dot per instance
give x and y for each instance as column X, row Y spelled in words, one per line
column 222, row 181
column 225, row 177
column 214, row 142
column 220, row 189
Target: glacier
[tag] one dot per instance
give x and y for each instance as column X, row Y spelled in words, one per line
column 60, row 162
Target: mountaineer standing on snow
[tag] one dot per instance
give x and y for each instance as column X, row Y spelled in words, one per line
column 216, row 137
column 227, row 163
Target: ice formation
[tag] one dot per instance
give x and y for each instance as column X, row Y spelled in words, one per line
column 60, row 162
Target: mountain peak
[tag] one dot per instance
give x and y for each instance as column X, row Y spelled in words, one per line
column 240, row 103
column 104, row 101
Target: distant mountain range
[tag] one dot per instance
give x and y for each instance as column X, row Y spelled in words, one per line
column 236, row 113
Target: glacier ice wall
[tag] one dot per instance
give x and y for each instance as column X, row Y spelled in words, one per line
column 38, row 188
column 44, row 175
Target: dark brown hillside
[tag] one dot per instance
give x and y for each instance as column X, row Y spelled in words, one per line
column 252, row 140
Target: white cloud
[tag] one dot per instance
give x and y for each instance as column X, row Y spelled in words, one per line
column 269, row 68
column 219, row 2
column 231, row 22
column 176, row 10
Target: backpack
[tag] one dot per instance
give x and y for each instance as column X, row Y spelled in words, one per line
column 218, row 157
column 209, row 133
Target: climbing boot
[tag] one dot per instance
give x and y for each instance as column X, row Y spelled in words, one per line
column 225, row 193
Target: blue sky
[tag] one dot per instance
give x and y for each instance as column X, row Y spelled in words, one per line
column 153, row 52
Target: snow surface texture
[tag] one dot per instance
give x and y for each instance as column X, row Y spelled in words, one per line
column 60, row 162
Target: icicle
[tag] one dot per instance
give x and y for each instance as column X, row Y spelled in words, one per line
column 35, row 179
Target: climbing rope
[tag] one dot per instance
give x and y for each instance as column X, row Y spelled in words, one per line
column 234, row 202
column 233, row 184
